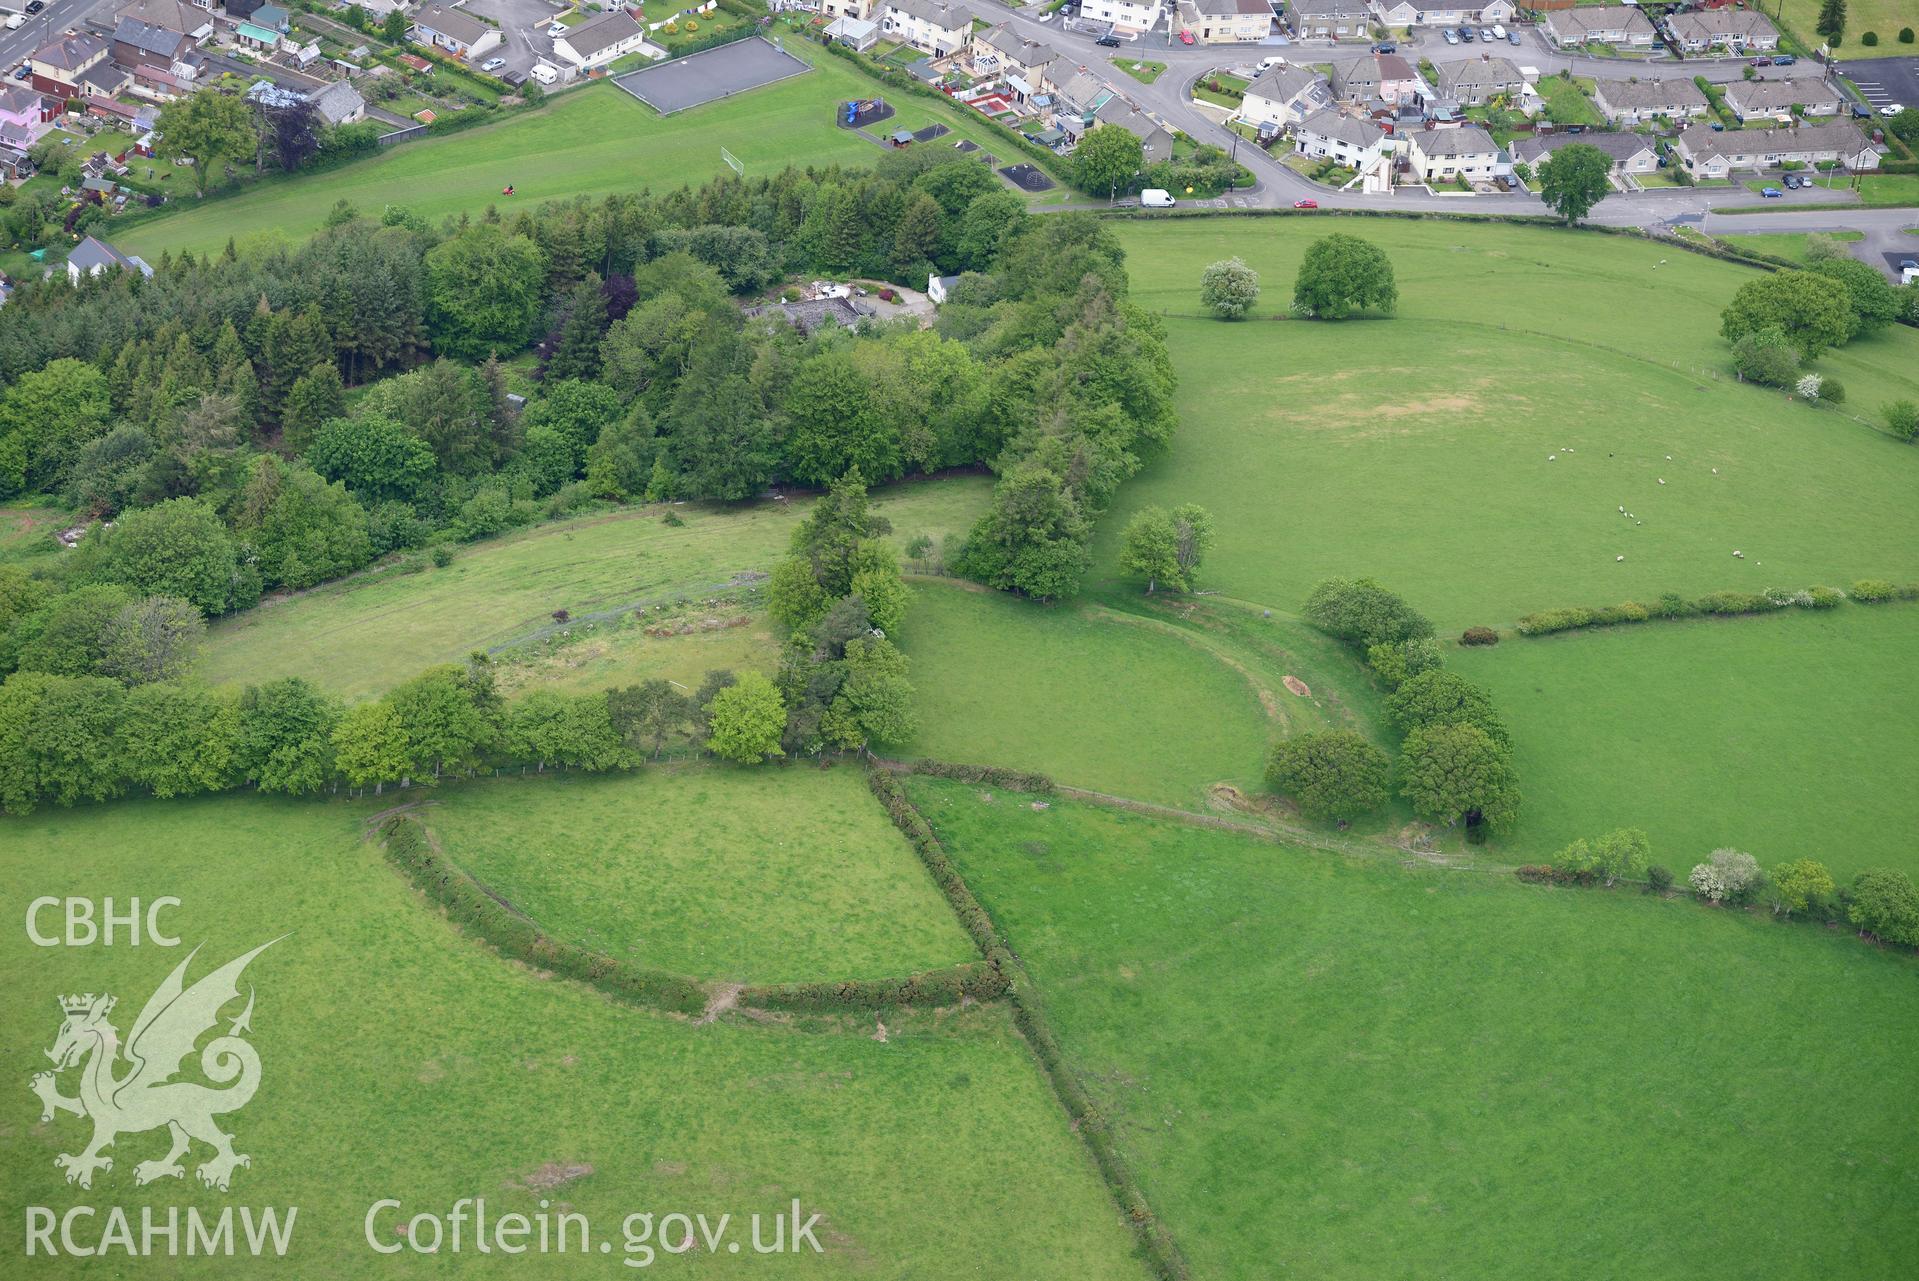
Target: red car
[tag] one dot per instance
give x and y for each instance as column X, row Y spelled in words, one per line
column 1186, row 37
column 1305, row 204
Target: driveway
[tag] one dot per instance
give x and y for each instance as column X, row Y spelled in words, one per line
column 523, row 25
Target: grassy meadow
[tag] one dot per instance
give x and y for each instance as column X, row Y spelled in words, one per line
column 1789, row 736
column 365, row 634
column 1092, row 699
column 1475, row 451
column 756, row 876
column 1343, row 1069
column 588, row 142
column 401, row 1059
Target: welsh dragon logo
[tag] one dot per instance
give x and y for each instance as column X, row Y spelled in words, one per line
column 145, row 1096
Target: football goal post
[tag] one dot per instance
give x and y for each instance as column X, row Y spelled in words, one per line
column 732, row 162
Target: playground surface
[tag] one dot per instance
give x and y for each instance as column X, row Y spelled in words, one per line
column 711, row 74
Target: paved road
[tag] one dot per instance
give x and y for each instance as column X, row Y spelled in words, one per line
column 1169, row 97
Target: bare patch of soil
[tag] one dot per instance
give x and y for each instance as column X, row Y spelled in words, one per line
column 1294, row 685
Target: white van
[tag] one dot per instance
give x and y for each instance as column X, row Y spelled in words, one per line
column 544, row 73
column 1499, row 32
column 1155, row 198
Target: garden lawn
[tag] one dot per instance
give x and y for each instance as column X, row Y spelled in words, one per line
column 1088, row 697
column 1785, row 244
column 1567, row 101
column 1790, row 735
column 401, row 1059
column 1882, row 16
column 754, row 876
column 1430, row 450
column 1353, row 1070
column 361, row 636
column 1888, row 189
column 588, row 142
column 1144, row 72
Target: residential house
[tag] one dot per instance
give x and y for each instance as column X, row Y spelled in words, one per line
column 1638, row 102
column 862, row 10
column 1621, row 25
column 1440, row 155
column 1000, row 51
column 459, row 34
column 166, row 60
column 1723, row 31
column 190, row 20
column 265, row 39
column 1479, row 80
column 1409, row 13
column 1383, row 77
column 271, row 16
column 1353, row 141
column 1129, row 17
column 1751, row 99
column 939, row 288
column 1284, row 96
column 1227, row 21
column 1078, row 97
column 23, row 115
column 92, row 256
column 243, row 10
column 1330, row 19
column 57, row 68
column 1630, row 152
column 933, row 26
column 1718, row 153
column 338, row 103
column 854, row 33
column 1155, row 140
column 810, row 314
column 598, row 41
column 15, row 164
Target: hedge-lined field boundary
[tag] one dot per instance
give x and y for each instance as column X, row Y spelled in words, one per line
column 1155, row 1243
column 469, row 902
column 1672, row 607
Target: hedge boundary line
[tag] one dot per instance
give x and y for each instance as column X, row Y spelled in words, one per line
column 1155, row 1243
column 1672, row 607
column 470, row 903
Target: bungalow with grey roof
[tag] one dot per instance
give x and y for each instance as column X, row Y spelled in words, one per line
column 601, row 40
column 1620, row 25
column 93, row 256
column 1629, row 152
column 1155, row 141
column 1413, row 13
column 1638, row 102
column 1751, row 99
column 443, row 27
column 1718, row 153
column 1723, row 31
column 1353, row 141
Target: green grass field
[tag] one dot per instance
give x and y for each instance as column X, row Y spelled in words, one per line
column 402, row 1060
column 1785, row 244
column 363, row 635
column 1092, row 699
column 1333, row 1069
column 27, row 530
column 589, row 142
column 1788, row 736
column 756, row 876
column 1431, row 450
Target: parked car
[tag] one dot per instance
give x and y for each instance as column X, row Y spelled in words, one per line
column 1509, row 181
column 1792, row 182
column 1512, row 37
column 1499, row 31
column 1306, row 204
column 1156, row 198
column 1861, row 112
column 1784, row 60
column 1762, row 62
column 1771, row 193
column 1385, row 46
column 1452, row 37
column 556, row 31
column 1186, row 37
column 1107, row 42
column 22, row 71
column 35, row 6
column 1466, row 34
column 1890, row 110
column 1486, row 34
column 493, row 64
